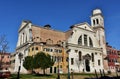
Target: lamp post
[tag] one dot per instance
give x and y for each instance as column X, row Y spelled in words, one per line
column 68, row 64
column 58, row 69
column 68, row 69
column 20, row 56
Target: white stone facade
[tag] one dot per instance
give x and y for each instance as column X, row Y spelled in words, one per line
column 75, row 48
column 24, row 40
column 80, row 41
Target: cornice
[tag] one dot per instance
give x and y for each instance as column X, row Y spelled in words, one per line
column 98, row 27
column 23, row 45
column 85, row 29
column 84, row 47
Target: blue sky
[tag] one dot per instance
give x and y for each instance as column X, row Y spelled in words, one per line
column 60, row 14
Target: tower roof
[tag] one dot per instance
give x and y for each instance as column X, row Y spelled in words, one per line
column 97, row 11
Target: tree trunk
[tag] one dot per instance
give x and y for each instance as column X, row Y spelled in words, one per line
column 44, row 71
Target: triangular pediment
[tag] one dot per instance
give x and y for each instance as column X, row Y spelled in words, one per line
column 85, row 26
column 23, row 24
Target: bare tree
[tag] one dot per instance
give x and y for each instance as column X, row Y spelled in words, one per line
column 3, row 47
column 3, row 44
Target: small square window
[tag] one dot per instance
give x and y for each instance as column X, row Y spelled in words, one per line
column 95, row 53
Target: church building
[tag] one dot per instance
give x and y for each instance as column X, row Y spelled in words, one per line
column 81, row 49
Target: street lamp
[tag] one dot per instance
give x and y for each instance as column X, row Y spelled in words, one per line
column 58, row 69
column 20, row 56
column 68, row 69
column 68, row 64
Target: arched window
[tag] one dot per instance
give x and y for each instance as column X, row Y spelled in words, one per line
column 94, row 22
column 49, row 41
column 36, row 48
column 59, row 42
column 80, row 40
column 37, row 39
column 80, row 55
column 90, row 42
column 85, row 40
column 97, row 21
column 92, row 57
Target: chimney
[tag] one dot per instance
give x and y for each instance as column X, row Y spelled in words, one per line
column 47, row 26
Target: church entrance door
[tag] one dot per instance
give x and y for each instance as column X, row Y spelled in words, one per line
column 87, row 65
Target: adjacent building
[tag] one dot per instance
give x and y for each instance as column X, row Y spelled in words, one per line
column 118, row 60
column 112, row 58
column 82, row 48
column 12, row 62
column 4, row 61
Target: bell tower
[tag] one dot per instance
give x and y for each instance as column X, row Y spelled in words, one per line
column 97, row 22
column 97, row 18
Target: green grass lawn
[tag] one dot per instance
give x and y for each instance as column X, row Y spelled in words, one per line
column 53, row 76
column 30, row 76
